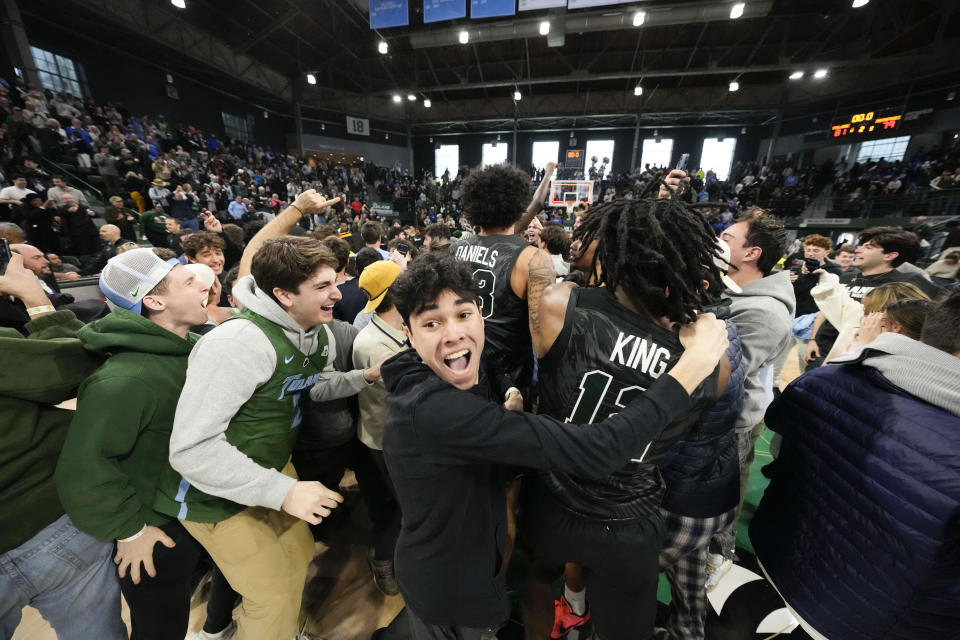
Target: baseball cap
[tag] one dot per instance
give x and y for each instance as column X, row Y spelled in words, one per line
column 722, row 260
column 202, row 272
column 131, row 275
column 376, row 279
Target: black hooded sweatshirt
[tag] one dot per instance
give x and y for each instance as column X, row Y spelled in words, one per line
column 444, row 448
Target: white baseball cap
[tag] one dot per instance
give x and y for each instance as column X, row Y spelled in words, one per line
column 133, row 274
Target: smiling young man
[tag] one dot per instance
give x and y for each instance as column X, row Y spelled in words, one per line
column 880, row 256
column 116, row 449
column 235, row 489
column 444, row 441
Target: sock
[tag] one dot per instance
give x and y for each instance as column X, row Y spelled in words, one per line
column 577, row 600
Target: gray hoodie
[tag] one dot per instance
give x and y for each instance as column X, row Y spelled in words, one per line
column 763, row 313
column 923, row 371
column 225, row 368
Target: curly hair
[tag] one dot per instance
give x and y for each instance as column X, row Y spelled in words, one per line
column 197, row 242
column 426, row 278
column 495, row 197
column 658, row 252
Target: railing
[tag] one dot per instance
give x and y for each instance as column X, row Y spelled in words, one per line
column 75, row 179
column 927, row 202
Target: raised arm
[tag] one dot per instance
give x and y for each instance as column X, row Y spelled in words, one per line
column 307, row 203
column 537, row 202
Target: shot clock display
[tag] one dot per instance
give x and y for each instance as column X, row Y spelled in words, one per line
column 867, row 123
column 574, row 158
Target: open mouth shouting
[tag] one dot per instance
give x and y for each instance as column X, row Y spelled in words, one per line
column 457, row 361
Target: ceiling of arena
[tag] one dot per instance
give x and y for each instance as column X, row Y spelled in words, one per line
column 684, row 56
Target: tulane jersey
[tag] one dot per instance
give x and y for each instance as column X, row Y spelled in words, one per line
column 604, row 357
column 509, row 350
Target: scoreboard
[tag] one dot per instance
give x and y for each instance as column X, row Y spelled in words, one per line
column 867, row 123
column 574, row 159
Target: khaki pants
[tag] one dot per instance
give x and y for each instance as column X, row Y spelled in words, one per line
column 264, row 554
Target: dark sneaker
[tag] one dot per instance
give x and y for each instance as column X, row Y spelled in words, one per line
column 564, row 619
column 383, row 576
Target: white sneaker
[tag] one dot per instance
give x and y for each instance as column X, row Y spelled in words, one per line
column 226, row 634
column 717, row 567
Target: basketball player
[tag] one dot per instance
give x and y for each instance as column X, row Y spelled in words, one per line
column 509, row 272
column 599, row 347
column 445, row 439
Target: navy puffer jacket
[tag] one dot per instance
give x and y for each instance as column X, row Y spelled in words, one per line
column 859, row 529
column 702, row 471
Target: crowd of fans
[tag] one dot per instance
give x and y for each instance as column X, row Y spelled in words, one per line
column 451, row 363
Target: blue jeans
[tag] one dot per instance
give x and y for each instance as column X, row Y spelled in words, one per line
column 189, row 223
column 67, row 576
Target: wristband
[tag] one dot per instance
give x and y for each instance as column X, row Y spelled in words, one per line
column 506, row 396
column 299, row 210
column 44, row 308
column 134, row 536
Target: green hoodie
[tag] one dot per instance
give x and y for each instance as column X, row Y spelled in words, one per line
column 36, row 373
column 118, row 441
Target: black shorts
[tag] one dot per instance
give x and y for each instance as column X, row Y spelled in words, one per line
column 619, row 559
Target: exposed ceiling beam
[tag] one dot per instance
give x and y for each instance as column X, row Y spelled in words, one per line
column 278, row 24
column 579, row 76
column 140, row 15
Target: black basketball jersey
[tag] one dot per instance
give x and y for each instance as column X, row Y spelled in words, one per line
column 604, row 357
column 509, row 348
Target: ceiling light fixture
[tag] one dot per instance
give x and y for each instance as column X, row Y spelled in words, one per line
column 734, row 86
column 411, row 97
column 737, row 10
column 311, row 79
column 464, row 37
column 796, row 75
column 544, row 27
column 517, row 95
column 397, row 98
column 383, row 47
column 638, row 18
column 820, row 74
column 426, row 103
column 860, row 3
column 638, row 90
column 179, row 4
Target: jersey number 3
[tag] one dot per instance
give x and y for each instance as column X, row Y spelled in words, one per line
column 486, row 281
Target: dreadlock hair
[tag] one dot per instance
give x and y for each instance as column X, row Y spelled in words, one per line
column 648, row 247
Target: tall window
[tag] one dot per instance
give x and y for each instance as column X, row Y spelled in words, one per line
column 656, row 154
column 446, row 158
column 237, row 127
column 889, row 149
column 717, row 156
column 56, row 72
column 599, row 149
column 544, row 152
column 494, row 153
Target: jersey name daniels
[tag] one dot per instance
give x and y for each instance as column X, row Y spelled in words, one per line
column 635, row 352
column 477, row 254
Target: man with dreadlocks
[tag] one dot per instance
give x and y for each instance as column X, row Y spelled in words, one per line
column 599, row 347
